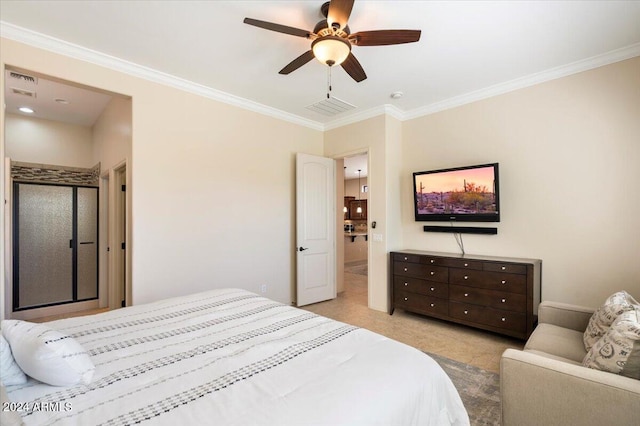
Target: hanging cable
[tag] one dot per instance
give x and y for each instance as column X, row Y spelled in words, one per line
column 458, row 237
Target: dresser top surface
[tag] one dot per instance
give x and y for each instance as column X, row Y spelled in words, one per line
column 471, row 256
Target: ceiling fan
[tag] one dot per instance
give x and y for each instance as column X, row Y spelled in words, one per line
column 332, row 39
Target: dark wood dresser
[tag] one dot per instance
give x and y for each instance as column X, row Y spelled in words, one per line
column 499, row 294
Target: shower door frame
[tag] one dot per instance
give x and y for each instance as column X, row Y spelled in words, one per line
column 75, row 243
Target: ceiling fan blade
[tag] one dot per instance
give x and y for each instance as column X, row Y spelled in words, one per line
column 353, row 68
column 277, row 27
column 298, row 62
column 339, row 12
column 384, row 37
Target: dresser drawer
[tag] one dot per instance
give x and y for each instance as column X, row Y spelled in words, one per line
column 426, row 272
column 411, row 258
column 490, row 298
column 416, row 258
column 511, row 283
column 415, row 285
column 464, row 264
column 507, row 268
column 421, row 303
column 493, row 317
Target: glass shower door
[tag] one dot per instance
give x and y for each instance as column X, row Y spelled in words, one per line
column 87, row 237
column 44, row 257
column 55, row 245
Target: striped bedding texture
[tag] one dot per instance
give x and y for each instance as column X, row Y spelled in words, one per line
column 232, row 357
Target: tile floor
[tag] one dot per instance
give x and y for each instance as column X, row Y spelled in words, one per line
column 465, row 344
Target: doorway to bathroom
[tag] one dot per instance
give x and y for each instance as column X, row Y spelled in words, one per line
column 58, row 218
column 356, row 228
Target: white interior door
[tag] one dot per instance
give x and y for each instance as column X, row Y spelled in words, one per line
column 315, row 229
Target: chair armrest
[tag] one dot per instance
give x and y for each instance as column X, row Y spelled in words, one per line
column 564, row 315
column 535, row 390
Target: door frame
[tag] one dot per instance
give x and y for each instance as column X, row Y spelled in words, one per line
column 118, row 283
column 339, row 230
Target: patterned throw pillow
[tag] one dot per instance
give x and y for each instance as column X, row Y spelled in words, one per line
column 618, row 351
column 47, row 354
column 605, row 315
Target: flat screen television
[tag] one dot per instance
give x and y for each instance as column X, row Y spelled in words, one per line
column 461, row 194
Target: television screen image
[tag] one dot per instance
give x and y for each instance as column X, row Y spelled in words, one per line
column 459, row 194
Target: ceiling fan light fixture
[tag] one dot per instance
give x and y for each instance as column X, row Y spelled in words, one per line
column 331, row 50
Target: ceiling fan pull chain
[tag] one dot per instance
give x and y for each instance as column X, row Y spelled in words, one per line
column 328, row 82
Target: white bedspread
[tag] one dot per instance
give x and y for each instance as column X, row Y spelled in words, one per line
column 230, row 357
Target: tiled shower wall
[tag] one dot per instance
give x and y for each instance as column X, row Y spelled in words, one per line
column 47, row 173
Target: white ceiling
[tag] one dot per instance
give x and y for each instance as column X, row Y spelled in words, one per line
column 468, row 49
column 353, row 164
column 52, row 100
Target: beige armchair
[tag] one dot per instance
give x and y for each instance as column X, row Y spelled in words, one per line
column 546, row 384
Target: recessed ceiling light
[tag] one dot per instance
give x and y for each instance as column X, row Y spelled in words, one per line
column 26, row 110
column 396, row 95
column 61, row 101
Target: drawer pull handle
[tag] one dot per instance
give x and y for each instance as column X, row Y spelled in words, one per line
column 405, row 269
column 432, row 305
column 504, row 319
column 503, row 281
column 406, row 298
column 504, row 300
column 432, row 273
column 466, row 277
column 406, row 284
column 406, row 258
column 466, row 264
column 432, row 289
column 504, row 268
column 466, row 295
column 466, row 312
column 432, row 260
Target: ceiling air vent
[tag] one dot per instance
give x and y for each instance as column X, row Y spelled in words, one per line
column 23, row 92
column 331, row 106
column 23, row 77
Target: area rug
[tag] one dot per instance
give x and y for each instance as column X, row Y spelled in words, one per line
column 479, row 390
column 359, row 268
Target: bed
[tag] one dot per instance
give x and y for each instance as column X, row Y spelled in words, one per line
column 232, row 357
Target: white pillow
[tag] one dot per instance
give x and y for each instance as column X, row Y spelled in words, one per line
column 10, row 373
column 47, row 354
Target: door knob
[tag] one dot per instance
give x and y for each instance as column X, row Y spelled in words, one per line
column 303, row 248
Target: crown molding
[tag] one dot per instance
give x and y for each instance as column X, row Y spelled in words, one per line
column 611, row 57
column 62, row 47
column 58, row 46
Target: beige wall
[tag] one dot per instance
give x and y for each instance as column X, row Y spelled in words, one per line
column 569, row 154
column 369, row 136
column 351, row 188
column 212, row 197
column 111, row 134
column 35, row 140
column 111, row 138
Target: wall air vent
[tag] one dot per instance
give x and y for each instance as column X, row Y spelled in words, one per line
column 331, row 106
column 23, row 77
column 23, row 92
